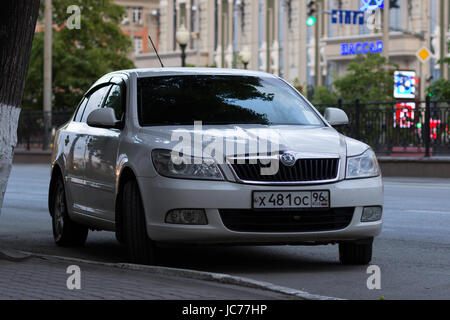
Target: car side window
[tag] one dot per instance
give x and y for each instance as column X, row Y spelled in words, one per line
column 80, row 110
column 95, row 101
column 115, row 100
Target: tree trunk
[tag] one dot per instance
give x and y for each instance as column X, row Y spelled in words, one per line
column 17, row 26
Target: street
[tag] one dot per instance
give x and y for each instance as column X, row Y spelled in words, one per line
column 413, row 250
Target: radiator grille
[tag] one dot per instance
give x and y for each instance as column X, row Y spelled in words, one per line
column 304, row 170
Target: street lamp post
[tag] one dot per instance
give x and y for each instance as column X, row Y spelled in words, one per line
column 183, row 39
column 245, row 56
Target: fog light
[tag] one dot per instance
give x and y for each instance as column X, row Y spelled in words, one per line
column 371, row 214
column 187, row 216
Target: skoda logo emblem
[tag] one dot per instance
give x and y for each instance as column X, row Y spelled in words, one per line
column 288, row 159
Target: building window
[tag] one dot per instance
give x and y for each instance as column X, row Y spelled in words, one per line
column 126, row 18
column 137, row 45
column 193, row 23
column 175, row 24
column 137, row 15
column 395, row 20
column 216, row 25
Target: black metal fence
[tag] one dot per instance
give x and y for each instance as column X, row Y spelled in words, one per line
column 420, row 128
column 32, row 132
column 408, row 127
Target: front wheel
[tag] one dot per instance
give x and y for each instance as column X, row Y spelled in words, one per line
column 141, row 248
column 356, row 253
column 65, row 231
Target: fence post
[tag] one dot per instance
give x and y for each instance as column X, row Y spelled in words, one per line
column 340, row 103
column 357, row 116
column 47, row 129
column 427, row 130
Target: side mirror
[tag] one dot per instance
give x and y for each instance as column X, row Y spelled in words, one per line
column 336, row 117
column 102, row 118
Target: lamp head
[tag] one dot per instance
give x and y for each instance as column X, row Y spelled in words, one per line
column 182, row 36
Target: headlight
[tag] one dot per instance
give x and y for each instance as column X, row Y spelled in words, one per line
column 363, row 166
column 185, row 167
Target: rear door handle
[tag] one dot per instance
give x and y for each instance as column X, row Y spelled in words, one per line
column 67, row 140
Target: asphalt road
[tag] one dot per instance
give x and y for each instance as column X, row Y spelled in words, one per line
column 413, row 250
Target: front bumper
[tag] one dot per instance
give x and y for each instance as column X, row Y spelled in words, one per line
column 161, row 195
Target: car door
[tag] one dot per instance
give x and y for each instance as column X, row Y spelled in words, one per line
column 101, row 158
column 76, row 140
column 73, row 140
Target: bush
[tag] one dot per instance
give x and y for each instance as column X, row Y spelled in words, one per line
column 324, row 95
column 370, row 78
column 439, row 90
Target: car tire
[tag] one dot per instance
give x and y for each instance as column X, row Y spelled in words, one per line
column 141, row 248
column 356, row 253
column 66, row 232
column 119, row 238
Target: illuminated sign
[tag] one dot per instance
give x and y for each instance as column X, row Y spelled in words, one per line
column 361, row 47
column 434, row 127
column 404, row 115
column 347, row 17
column 405, row 84
column 371, row 5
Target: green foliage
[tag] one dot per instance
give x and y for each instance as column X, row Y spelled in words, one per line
column 439, row 90
column 369, row 78
column 324, row 95
column 80, row 56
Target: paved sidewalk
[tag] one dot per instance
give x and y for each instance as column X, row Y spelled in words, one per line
column 38, row 278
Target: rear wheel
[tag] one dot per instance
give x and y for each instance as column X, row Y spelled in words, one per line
column 141, row 248
column 356, row 253
column 65, row 231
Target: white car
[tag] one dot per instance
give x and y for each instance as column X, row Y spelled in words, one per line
column 135, row 159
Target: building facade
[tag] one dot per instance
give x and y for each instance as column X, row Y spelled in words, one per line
column 140, row 21
column 414, row 24
column 278, row 39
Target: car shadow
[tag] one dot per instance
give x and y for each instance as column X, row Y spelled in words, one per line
column 103, row 247
column 221, row 259
column 250, row 259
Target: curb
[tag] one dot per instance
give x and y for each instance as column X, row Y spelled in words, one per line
column 192, row 274
column 437, row 167
column 14, row 256
column 435, row 159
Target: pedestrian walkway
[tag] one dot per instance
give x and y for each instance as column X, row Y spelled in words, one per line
column 38, row 278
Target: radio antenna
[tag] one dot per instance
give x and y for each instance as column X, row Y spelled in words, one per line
column 156, row 51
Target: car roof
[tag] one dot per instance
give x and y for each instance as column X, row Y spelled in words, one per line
column 151, row 72
column 155, row 72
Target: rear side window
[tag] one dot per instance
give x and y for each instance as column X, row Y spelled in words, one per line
column 80, row 110
column 115, row 101
column 95, row 101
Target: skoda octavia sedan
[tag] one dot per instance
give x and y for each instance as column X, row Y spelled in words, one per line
column 211, row 156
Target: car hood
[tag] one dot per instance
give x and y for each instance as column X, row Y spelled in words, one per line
column 304, row 140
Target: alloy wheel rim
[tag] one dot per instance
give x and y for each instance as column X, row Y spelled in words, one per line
column 58, row 214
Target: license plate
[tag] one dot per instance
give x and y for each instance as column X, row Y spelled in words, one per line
column 291, row 199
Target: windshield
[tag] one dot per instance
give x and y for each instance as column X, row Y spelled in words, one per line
column 221, row 99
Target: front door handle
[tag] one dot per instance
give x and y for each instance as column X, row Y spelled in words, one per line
column 67, row 140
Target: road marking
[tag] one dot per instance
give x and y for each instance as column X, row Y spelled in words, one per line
column 428, row 211
column 422, row 186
